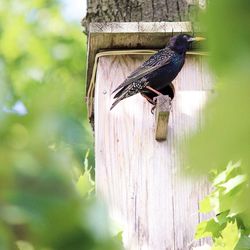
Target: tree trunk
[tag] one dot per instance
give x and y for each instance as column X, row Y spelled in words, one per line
column 141, row 179
column 139, row 10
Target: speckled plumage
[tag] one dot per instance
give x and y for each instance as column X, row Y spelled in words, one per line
column 157, row 72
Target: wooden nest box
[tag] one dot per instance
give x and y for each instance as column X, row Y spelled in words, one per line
column 138, row 177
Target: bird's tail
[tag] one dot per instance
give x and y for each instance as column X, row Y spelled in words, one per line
column 115, row 103
column 122, row 95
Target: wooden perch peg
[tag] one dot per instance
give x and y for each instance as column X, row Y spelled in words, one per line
column 162, row 111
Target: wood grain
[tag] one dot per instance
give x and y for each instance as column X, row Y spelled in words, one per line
column 162, row 110
column 141, row 179
column 130, row 35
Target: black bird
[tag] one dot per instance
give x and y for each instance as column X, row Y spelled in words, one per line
column 155, row 75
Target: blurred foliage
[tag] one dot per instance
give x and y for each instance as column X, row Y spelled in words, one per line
column 230, row 227
column 225, row 135
column 43, row 134
column 226, row 132
column 42, row 54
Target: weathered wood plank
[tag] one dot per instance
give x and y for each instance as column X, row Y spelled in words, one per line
column 138, row 177
column 139, row 27
column 130, row 35
column 162, row 110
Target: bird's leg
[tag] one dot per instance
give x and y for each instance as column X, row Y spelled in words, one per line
column 153, row 102
column 153, row 108
column 148, row 99
column 153, row 90
column 154, row 105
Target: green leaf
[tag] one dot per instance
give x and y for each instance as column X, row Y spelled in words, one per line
column 229, row 238
column 207, row 228
column 222, row 217
column 205, row 205
column 24, row 245
column 85, row 185
column 243, row 243
column 223, row 176
column 233, row 183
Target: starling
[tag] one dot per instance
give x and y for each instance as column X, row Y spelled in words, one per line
column 155, row 75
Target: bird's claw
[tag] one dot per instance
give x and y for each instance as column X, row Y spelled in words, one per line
column 153, row 108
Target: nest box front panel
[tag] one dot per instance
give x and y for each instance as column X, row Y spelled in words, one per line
column 138, row 177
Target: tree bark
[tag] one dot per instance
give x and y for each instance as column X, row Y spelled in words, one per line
column 139, row 10
column 140, row 179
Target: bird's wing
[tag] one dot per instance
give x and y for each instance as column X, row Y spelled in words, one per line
column 156, row 61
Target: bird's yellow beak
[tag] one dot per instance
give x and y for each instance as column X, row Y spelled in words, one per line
column 196, row 39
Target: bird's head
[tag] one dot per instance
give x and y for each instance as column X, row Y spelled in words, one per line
column 181, row 43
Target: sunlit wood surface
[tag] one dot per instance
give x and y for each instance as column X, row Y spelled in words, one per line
column 141, row 179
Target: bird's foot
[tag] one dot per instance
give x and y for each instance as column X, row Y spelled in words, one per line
column 148, row 98
column 153, row 102
column 154, row 106
column 153, row 109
